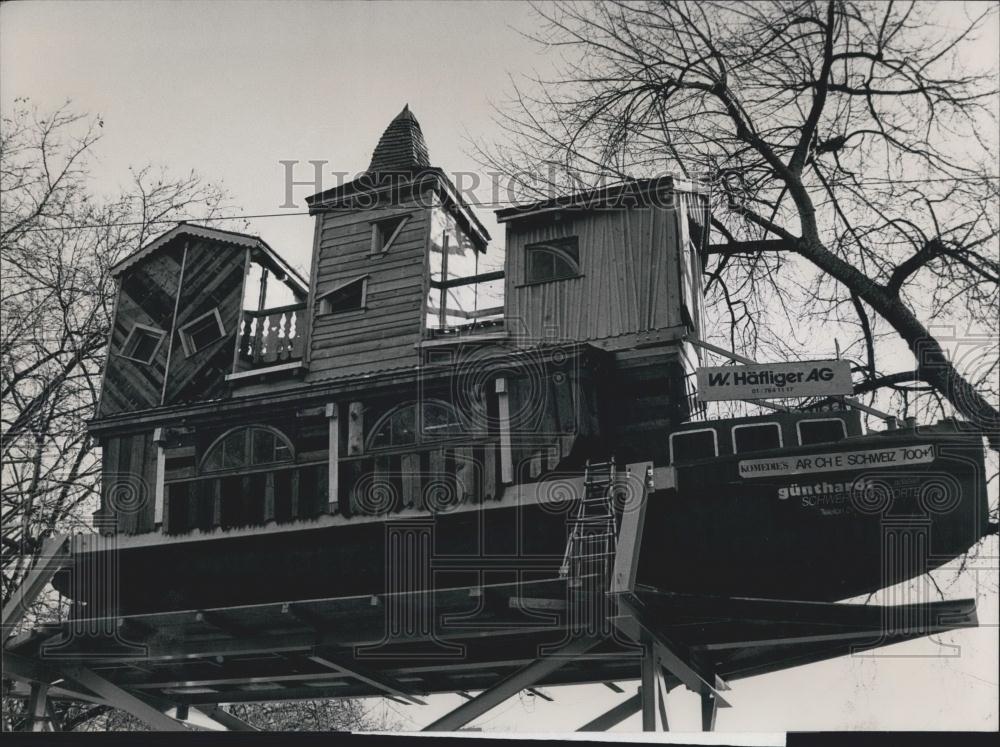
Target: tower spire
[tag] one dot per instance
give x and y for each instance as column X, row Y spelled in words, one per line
column 401, row 147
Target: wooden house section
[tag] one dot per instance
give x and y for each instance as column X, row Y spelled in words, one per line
column 181, row 328
column 607, row 266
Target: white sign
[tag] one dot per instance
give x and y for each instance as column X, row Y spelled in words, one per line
column 763, row 380
column 836, row 461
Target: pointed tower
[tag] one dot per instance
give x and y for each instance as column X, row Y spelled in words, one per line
column 384, row 245
column 401, row 148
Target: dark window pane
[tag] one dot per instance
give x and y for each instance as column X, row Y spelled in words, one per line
column 234, row 450
column 558, row 259
column 348, row 298
column 386, row 228
column 757, row 437
column 202, row 332
column 821, row 431
column 439, row 420
column 686, row 447
column 263, row 446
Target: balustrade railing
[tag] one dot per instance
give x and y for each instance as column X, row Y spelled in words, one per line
column 271, row 337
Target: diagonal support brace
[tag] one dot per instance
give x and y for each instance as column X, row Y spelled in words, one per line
column 511, row 685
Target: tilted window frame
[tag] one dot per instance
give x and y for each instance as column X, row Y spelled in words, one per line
column 188, row 343
column 142, row 328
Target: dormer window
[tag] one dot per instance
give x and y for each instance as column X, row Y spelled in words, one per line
column 349, row 296
column 557, row 259
column 201, row 332
column 142, row 343
column 385, row 231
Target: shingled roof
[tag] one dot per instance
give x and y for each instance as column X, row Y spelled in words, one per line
column 401, row 147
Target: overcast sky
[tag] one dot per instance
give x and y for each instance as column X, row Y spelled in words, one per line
column 232, row 88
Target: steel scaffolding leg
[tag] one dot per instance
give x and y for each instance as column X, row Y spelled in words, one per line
column 709, row 708
column 511, row 685
column 37, row 703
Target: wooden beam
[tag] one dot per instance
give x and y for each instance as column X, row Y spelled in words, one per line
column 537, row 691
column 615, row 716
column 122, row 699
column 54, row 555
column 333, row 474
column 751, row 247
column 159, row 441
column 506, row 457
column 613, row 687
column 626, row 562
column 511, row 685
column 355, row 429
column 358, row 672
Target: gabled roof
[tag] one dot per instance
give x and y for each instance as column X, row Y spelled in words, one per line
column 266, row 255
column 401, row 147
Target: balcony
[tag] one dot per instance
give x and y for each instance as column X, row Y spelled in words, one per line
column 270, row 340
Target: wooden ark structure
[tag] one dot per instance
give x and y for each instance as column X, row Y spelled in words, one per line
column 409, row 473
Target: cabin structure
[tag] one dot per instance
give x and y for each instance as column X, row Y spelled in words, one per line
column 227, row 404
column 409, row 473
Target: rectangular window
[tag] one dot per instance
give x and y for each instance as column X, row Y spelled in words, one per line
column 756, row 437
column 687, row 446
column 349, row 296
column 142, row 343
column 557, row 259
column 385, row 231
column 201, row 332
column 821, row 431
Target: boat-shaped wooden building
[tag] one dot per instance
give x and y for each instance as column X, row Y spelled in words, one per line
column 286, row 458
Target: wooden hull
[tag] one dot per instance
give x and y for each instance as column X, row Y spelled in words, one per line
column 820, row 535
column 827, row 533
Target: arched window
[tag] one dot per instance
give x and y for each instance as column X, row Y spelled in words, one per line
column 246, row 447
column 415, row 423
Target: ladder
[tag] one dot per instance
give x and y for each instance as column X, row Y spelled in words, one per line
column 593, row 528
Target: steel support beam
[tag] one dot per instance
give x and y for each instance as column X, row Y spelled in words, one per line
column 709, row 709
column 649, row 689
column 53, row 556
column 380, row 681
column 511, row 685
column 615, row 716
column 225, row 718
column 672, row 657
column 122, row 699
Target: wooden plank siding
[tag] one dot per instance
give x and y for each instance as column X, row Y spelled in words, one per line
column 146, row 296
column 383, row 335
column 630, row 276
column 213, row 279
column 128, row 482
